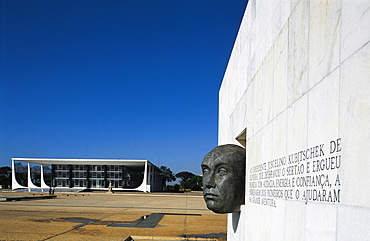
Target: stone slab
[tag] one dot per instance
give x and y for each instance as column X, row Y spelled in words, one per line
column 151, row 221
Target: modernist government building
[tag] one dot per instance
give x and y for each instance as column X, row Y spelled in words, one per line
column 81, row 174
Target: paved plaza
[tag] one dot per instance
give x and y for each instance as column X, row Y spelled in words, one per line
column 104, row 216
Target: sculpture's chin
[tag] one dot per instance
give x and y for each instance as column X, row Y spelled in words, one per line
column 212, row 205
column 215, row 207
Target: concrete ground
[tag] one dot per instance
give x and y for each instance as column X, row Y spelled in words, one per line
column 103, row 216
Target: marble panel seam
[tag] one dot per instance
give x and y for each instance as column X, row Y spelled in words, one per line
column 354, row 53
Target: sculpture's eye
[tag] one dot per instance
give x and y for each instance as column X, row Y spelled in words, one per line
column 222, row 171
column 205, row 171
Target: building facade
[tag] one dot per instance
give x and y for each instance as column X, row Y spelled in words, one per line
column 295, row 94
column 97, row 174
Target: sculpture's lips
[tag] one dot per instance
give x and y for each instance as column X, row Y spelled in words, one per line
column 210, row 196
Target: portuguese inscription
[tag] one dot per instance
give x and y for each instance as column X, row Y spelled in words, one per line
column 309, row 175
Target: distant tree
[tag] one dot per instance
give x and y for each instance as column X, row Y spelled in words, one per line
column 195, row 183
column 184, row 176
column 5, row 177
column 167, row 174
column 176, row 187
column 173, row 188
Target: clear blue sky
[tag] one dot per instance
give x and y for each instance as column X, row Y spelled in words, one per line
column 114, row 79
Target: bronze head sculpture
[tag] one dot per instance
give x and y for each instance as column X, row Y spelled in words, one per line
column 224, row 178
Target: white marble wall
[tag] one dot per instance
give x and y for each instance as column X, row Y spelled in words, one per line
column 298, row 77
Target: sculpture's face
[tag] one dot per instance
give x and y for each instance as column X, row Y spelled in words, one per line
column 223, row 179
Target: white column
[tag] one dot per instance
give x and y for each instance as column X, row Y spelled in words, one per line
column 43, row 184
column 146, row 177
column 143, row 186
column 15, row 184
column 28, row 176
column 29, row 181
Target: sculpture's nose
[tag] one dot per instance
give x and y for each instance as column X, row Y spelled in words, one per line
column 210, row 182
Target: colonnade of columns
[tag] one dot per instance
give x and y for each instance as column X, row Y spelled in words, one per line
column 30, row 184
column 152, row 180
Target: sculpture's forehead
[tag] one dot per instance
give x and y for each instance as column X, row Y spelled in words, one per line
column 213, row 159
